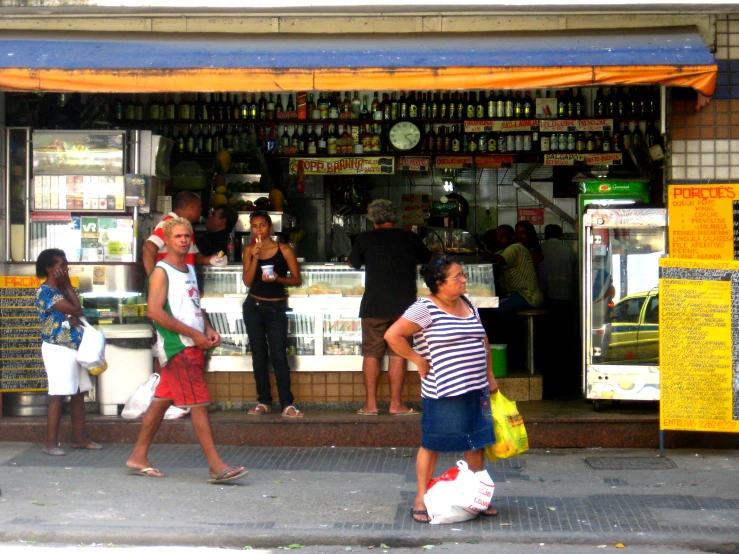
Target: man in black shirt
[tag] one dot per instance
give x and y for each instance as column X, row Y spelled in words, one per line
column 220, row 222
column 390, row 256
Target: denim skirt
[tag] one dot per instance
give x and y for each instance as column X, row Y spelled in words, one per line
column 457, row 423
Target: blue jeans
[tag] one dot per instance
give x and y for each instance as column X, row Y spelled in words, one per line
column 266, row 325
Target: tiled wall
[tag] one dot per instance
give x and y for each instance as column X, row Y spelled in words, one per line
column 235, row 390
column 705, row 142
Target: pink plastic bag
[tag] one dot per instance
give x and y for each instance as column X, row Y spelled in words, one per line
column 458, row 494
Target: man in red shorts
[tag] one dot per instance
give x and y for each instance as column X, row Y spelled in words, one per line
column 184, row 334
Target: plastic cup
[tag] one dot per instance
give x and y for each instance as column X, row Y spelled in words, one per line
column 268, row 270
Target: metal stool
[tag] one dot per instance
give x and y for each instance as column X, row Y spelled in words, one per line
column 530, row 315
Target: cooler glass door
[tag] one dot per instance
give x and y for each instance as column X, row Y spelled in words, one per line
column 621, row 302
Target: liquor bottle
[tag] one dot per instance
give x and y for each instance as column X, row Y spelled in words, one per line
column 189, row 140
column 637, row 137
column 365, row 139
column 413, row 111
column 598, row 140
column 128, row 107
column 518, row 106
column 394, row 107
column 500, row 104
column 323, row 105
column 170, row 108
column 402, row 106
column 232, row 106
column 262, row 107
column 430, row 139
column 447, row 140
column 192, row 99
column 590, row 142
column 184, row 108
column 322, row 143
column 244, row 107
column 509, row 104
column 119, row 111
column 462, row 105
column 652, row 136
column 451, row 107
column 579, row 105
column 284, row 139
column 384, row 107
column 434, row 106
column 517, row 141
column 180, row 143
column 606, row 144
column 138, row 108
column 228, row 137
column 199, row 147
column 482, row 142
column 364, row 110
column 471, row 107
column 295, row 138
column 535, row 141
column 561, row 104
column 634, row 102
column 279, row 110
column 253, row 107
column 311, row 141
column 153, row 108
column 503, row 142
column 270, row 107
column 527, row 142
column 201, row 111
column 443, row 107
column 492, row 142
column 455, row 140
column 375, row 104
column 207, row 140
column 290, row 108
column 310, row 107
column 528, row 106
column 491, row 110
column 545, row 143
column 571, row 103
column 471, row 142
column 609, row 101
column 621, row 106
column 423, row 105
column 333, row 105
column 600, row 108
column 377, row 139
column 653, row 106
column 481, row 105
column 346, row 105
column 356, row 105
column 331, row 141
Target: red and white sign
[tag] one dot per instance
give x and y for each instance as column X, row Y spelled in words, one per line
column 492, row 162
column 51, row 216
column 453, row 162
column 535, row 216
column 486, row 125
column 406, row 163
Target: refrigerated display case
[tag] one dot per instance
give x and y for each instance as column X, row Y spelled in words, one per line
column 620, row 302
column 324, row 328
column 452, row 241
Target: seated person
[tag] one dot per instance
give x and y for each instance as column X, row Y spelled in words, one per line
column 220, row 224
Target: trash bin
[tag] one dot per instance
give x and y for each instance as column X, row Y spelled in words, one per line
column 500, row 359
column 130, row 363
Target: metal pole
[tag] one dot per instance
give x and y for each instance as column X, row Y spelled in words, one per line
column 661, row 443
column 27, row 199
column 530, row 344
column 7, row 196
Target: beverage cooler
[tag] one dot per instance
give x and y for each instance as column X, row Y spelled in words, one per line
column 621, row 302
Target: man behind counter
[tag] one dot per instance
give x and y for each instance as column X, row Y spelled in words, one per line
column 220, row 223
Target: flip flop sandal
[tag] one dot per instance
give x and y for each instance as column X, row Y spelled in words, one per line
column 361, row 411
column 221, row 477
column 92, row 445
column 297, row 413
column 260, row 409
column 415, row 513
column 147, row 472
column 410, row 411
column 56, row 451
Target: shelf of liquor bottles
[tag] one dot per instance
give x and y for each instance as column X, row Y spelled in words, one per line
column 577, row 120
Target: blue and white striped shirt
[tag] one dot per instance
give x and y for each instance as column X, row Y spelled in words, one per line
column 454, row 348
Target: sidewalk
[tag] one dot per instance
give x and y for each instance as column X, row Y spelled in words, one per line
column 363, row 496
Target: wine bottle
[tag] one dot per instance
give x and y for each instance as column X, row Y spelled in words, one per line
column 271, row 107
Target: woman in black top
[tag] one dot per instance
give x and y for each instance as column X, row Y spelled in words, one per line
column 264, row 312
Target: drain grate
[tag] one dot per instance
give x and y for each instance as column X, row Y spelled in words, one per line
column 625, row 462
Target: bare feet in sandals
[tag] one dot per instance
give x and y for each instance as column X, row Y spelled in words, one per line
column 260, row 409
column 420, row 514
column 292, row 412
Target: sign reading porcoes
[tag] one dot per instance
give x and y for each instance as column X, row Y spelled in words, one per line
column 704, row 221
column 374, row 165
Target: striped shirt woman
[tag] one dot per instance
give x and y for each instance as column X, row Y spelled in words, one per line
column 454, row 347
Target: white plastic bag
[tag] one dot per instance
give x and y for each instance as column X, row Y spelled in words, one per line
column 91, row 353
column 173, row 412
column 139, row 401
column 458, row 494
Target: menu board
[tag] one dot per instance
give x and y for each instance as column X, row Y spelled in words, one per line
column 21, row 366
column 704, row 221
column 699, row 338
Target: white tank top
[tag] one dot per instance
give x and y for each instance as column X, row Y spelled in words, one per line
column 183, row 303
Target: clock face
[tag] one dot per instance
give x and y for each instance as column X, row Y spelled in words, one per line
column 404, row 135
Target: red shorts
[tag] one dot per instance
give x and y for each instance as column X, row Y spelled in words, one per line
column 182, row 379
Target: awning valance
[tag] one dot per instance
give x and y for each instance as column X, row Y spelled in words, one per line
column 135, row 62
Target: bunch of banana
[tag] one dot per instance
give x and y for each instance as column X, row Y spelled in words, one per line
column 296, row 235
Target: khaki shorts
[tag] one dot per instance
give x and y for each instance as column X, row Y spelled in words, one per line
column 373, row 336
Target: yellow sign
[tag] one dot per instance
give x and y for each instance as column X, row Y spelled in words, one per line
column 696, row 363
column 343, row 166
column 28, row 282
column 702, row 221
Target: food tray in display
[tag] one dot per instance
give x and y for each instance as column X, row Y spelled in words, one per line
column 77, row 153
column 326, row 295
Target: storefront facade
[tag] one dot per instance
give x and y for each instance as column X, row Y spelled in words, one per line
column 302, row 51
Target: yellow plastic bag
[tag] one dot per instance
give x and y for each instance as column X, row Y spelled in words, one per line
column 510, row 434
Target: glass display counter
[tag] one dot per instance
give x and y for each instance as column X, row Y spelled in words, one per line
column 324, row 328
